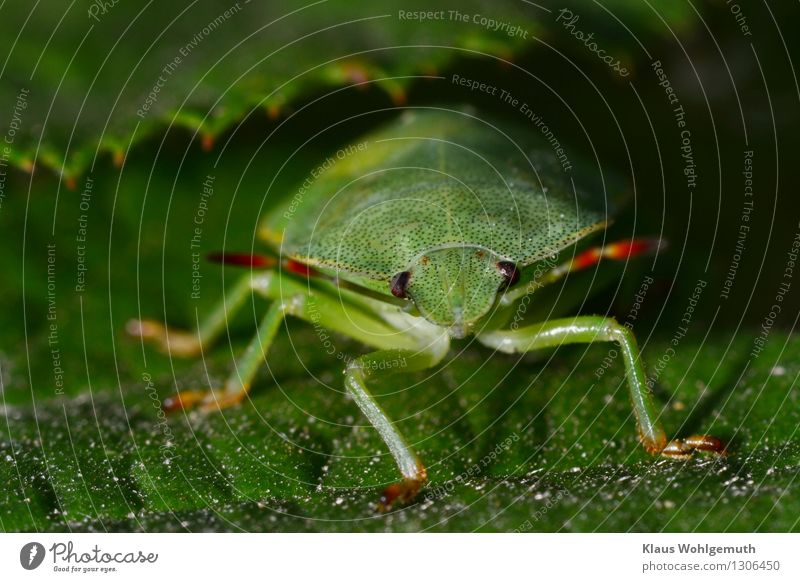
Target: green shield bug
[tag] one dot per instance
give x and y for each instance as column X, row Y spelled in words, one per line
column 437, row 227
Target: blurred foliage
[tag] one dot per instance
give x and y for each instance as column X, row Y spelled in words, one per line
column 100, row 80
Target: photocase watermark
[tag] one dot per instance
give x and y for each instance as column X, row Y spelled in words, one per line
column 629, row 322
column 322, row 333
column 100, row 8
column 197, row 235
column 744, row 227
column 780, row 294
column 474, row 470
column 167, row 450
column 327, row 164
column 680, row 333
column 507, row 28
column 172, row 66
column 547, row 265
column 568, row 19
column 369, row 366
column 20, row 105
column 325, row 338
column 67, row 559
column 52, row 322
column 687, row 151
column 549, row 503
column 81, row 236
column 738, row 15
column 523, row 107
column 31, row 555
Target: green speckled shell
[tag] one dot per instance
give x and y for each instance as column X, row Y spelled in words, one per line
column 435, row 179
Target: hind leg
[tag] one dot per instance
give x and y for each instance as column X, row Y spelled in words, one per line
column 589, row 329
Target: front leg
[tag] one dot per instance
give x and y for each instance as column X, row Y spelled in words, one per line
column 377, row 365
column 590, row 329
column 289, row 297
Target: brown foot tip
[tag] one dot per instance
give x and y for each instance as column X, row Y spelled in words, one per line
column 144, row 328
column 205, row 400
column 683, row 448
column 706, row 443
column 170, row 341
column 183, row 400
column 398, row 494
column 172, row 404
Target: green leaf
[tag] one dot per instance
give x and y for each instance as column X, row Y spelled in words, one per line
column 523, row 451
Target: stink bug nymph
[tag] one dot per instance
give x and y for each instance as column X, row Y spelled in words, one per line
column 430, row 232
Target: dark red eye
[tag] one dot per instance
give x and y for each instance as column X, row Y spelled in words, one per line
column 510, row 272
column 399, row 284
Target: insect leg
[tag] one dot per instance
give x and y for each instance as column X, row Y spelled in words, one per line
column 289, row 298
column 188, row 344
column 617, row 251
column 588, row 329
column 238, row 383
column 376, row 365
column 326, row 307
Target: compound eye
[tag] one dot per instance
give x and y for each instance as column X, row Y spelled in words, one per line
column 510, row 273
column 399, row 284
